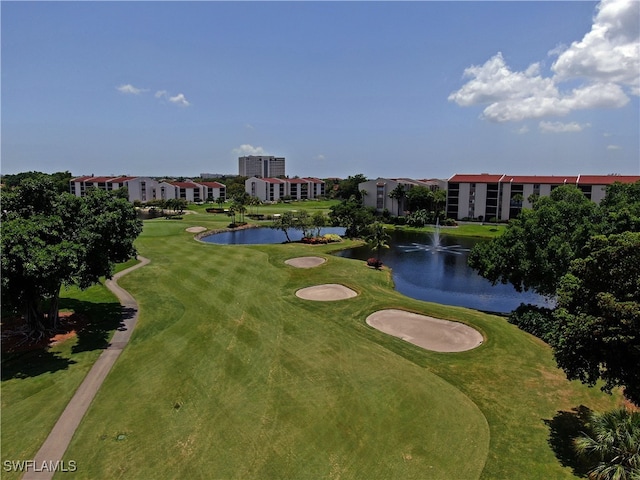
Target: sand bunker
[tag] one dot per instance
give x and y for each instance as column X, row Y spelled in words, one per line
column 426, row 332
column 326, row 293
column 196, row 229
column 305, row 262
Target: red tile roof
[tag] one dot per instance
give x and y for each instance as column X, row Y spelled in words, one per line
column 121, row 179
column 212, row 184
column 97, row 179
column 607, row 179
column 184, row 184
column 476, row 178
column 544, row 179
column 313, row 180
column 272, row 180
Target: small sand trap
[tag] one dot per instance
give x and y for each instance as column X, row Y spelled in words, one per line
column 426, row 332
column 196, row 229
column 326, row 293
column 305, row 262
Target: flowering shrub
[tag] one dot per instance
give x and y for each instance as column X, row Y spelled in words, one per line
column 332, row 237
column 374, row 262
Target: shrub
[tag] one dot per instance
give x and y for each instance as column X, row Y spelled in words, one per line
column 374, row 262
column 332, row 237
column 535, row 320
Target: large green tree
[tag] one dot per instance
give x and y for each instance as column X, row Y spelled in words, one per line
column 352, row 215
column 350, row 187
column 420, row 198
column 597, row 331
column 538, row 246
column 51, row 239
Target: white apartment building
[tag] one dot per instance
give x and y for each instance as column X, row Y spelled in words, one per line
column 273, row 189
column 376, row 192
column 261, row 166
column 485, row 196
column 145, row 189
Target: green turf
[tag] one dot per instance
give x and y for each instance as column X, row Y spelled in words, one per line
column 230, row 375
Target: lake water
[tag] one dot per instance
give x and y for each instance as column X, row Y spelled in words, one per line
column 443, row 276
column 418, row 270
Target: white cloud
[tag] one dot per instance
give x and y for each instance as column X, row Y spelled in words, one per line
column 248, row 126
column 559, row 127
column 319, row 157
column 246, row 149
column 523, row 129
column 614, row 147
column 610, row 52
column 130, row 89
column 607, row 60
column 180, row 100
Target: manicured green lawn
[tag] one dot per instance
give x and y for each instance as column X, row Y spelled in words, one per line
column 36, row 386
column 230, row 375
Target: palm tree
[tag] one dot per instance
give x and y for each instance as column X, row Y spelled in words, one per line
column 614, row 442
column 398, row 194
column 378, row 240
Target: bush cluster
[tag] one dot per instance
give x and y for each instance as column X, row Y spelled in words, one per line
column 535, row 320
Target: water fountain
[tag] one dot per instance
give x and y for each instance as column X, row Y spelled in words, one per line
column 435, row 245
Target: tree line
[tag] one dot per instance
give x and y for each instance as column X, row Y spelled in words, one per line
column 586, row 257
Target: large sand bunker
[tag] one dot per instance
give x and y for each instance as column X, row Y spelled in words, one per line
column 326, row 293
column 305, row 262
column 426, row 332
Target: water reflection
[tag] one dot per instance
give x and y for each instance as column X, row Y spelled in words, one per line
column 439, row 273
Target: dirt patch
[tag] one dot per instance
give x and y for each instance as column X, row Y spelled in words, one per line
column 326, row 293
column 15, row 340
column 427, row 332
column 305, row 262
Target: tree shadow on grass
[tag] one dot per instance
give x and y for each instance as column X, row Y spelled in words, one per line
column 93, row 332
column 101, row 320
column 564, row 427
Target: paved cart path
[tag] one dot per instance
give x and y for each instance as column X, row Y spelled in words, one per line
column 58, row 440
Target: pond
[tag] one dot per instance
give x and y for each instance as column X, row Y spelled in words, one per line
column 434, row 268
column 256, row 236
column 429, row 267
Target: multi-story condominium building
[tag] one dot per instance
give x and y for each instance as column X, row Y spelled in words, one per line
column 487, row 196
column 273, row 189
column 377, row 192
column 261, row 166
column 145, row 189
column 214, row 190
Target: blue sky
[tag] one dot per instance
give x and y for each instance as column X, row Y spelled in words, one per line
column 390, row 89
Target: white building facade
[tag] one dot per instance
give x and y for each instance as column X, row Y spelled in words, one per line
column 376, row 193
column 146, row 189
column 499, row 196
column 274, row 189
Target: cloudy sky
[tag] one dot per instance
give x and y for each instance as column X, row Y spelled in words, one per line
column 413, row 89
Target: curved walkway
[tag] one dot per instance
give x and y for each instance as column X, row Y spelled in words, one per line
column 58, row 440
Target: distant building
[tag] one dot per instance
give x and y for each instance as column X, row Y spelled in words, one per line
column 485, row 196
column 146, row 189
column 274, row 189
column 376, row 192
column 261, row 166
